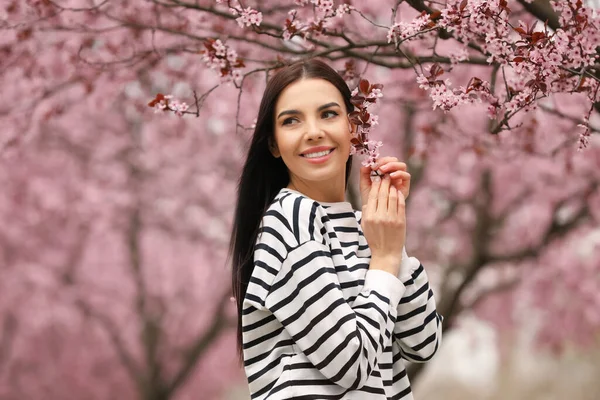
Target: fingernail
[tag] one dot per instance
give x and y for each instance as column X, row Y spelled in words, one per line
column 376, row 179
column 380, row 171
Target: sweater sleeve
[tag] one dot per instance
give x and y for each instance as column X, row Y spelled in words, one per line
column 342, row 340
column 418, row 327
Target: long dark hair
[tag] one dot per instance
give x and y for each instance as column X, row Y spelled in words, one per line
column 263, row 175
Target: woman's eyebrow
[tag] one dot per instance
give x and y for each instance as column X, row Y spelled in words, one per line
column 321, row 108
column 324, row 106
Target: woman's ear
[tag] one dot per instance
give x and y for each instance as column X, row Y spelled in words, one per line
column 352, row 127
column 273, row 148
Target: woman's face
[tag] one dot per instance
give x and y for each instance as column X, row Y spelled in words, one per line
column 311, row 114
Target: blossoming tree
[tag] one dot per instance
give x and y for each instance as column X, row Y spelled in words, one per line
column 113, row 275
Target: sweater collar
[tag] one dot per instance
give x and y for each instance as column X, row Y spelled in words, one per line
column 335, row 207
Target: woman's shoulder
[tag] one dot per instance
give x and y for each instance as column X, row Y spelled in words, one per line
column 295, row 216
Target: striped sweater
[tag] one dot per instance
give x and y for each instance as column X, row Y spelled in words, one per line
column 317, row 323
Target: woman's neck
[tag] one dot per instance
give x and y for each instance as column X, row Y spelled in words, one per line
column 328, row 194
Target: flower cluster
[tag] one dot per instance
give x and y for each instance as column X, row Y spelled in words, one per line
column 536, row 61
column 442, row 95
column 224, row 59
column 323, row 6
column 459, row 55
column 247, row 17
column 344, row 9
column 408, row 30
column 446, row 98
column 363, row 97
column 292, row 25
column 325, row 12
column 168, row 103
column 584, row 137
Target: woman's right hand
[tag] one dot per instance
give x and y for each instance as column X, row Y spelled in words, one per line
column 384, row 225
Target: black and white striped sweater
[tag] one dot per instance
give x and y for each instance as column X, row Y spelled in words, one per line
column 317, row 323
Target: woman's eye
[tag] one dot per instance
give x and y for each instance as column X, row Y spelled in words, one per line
column 288, row 121
column 329, row 114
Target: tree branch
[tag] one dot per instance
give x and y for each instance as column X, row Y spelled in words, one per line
column 120, row 348
column 542, row 10
column 220, row 323
column 9, row 329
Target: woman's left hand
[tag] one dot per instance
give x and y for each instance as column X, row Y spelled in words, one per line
column 386, row 165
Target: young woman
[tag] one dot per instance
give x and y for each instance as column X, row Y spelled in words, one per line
column 329, row 304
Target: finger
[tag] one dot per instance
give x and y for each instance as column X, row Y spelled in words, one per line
column 393, row 202
column 365, row 184
column 371, row 205
column 401, row 203
column 405, row 176
column 382, row 200
column 393, row 166
column 384, row 160
column 401, row 181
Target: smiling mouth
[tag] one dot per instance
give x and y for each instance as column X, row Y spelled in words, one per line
column 321, row 154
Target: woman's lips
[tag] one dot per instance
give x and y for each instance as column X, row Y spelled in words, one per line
column 319, row 160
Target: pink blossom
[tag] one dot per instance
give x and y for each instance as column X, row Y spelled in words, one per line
column 364, row 96
column 324, row 6
column 402, row 31
column 460, row 55
column 247, row 17
column 584, row 137
column 224, row 59
column 344, row 9
column 292, row 25
column 168, row 103
column 179, row 107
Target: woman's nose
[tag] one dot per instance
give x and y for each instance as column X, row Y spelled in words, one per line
column 313, row 129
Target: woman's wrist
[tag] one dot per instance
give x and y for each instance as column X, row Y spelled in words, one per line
column 387, row 263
